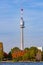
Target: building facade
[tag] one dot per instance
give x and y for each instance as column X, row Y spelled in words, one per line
column 40, row 48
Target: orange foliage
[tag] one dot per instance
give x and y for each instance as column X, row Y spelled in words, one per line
column 16, row 54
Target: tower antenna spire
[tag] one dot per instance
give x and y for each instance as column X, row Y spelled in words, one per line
column 21, row 13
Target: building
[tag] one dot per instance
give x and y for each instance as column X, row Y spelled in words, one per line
column 40, row 48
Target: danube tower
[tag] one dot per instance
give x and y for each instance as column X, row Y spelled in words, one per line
column 21, row 28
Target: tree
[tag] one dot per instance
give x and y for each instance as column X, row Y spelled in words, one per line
column 26, row 56
column 14, row 52
column 1, row 51
column 42, row 55
column 15, row 49
column 5, row 56
column 9, row 56
column 33, row 51
column 26, row 49
column 39, row 56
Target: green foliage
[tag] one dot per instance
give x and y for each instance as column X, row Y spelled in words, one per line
column 19, row 58
column 33, row 50
column 26, row 56
column 42, row 55
column 31, row 54
column 15, row 60
column 1, row 55
column 1, row 51
column 15, row 49
column 26, row 49
column 9, row 55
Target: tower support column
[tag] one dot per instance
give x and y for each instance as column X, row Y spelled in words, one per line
column 22, row 30
column 22, row 39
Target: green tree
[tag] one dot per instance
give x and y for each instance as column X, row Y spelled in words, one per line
column 26, row 49
column 33, row 51
column 1, row 55
column 26, row 56
column 15, row 49
column 1, row 51
column 42, row 55
column 10, row 56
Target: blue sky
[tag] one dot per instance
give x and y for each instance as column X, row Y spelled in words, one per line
column 10, row 23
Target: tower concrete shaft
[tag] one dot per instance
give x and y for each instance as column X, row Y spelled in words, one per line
column 21, row 27
column 22, row 39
